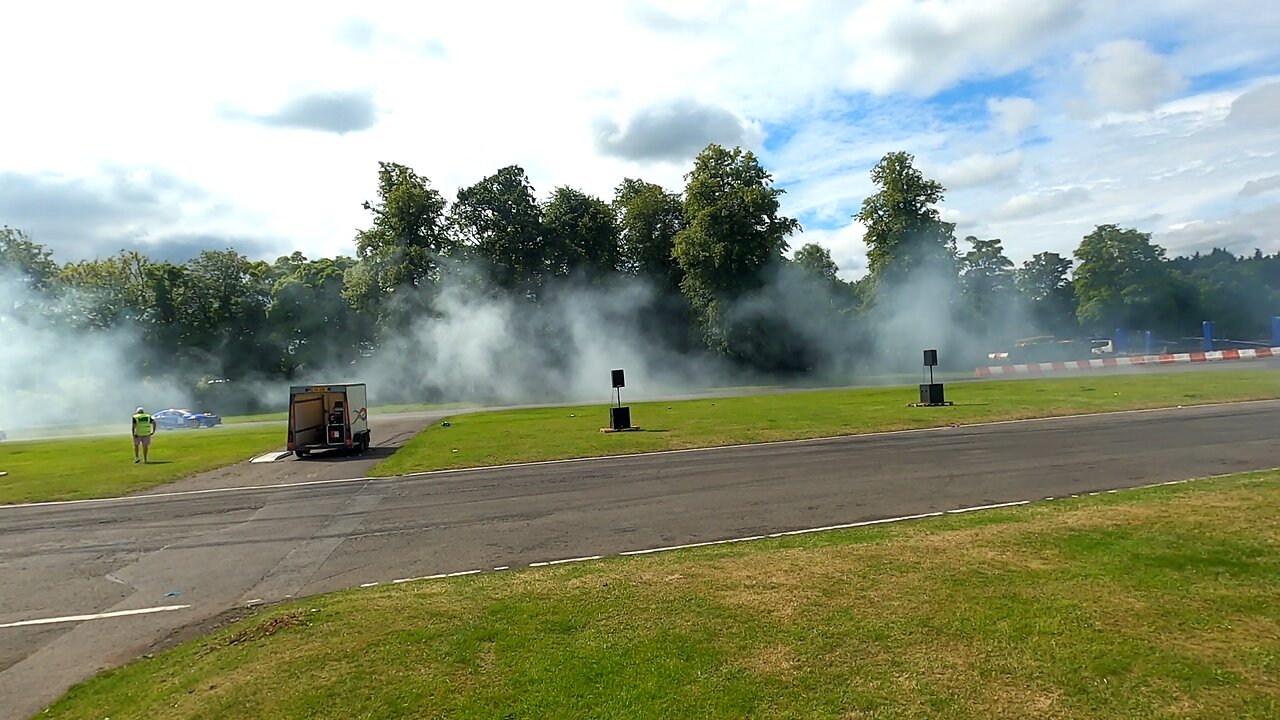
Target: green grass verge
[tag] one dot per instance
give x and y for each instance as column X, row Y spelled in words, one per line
column 1150, row 603
column 565, row 432
column 76, row 468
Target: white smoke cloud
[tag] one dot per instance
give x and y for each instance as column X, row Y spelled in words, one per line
column 52, row 377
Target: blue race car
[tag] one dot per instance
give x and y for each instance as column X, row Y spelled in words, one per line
column 173, row 419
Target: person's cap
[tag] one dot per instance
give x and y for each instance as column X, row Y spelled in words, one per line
column 139, row 410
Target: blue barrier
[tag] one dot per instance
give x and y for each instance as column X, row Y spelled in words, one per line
column 1275, row 331
column 1208, row 335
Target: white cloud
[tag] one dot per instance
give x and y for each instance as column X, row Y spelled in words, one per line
column 674, row 131
column 1126, row 76
column 1032, row 204
column 1257, row 109
column 1240, row 233
column 1012, row 115
column 980, row 169
column 922, row 46
column 460, row 89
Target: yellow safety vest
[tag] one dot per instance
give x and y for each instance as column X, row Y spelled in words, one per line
column 143, row 424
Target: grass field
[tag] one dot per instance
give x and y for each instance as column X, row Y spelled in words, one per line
column 1148, row 603
column 74, row 468
column 564, row 432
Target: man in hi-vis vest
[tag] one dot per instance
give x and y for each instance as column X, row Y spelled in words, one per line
column 143, row 428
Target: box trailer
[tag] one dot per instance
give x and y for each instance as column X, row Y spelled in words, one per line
column 323, row 417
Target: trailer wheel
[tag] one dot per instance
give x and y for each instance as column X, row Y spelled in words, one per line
column 301, row 453
column 365, row 441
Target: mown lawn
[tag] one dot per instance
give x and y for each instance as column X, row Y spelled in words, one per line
column 75, row 468
column 497, row 438
column 1149, row 603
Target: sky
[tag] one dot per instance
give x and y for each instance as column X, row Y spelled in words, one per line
column 176, row 127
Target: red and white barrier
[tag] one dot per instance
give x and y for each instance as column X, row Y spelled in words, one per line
column 1112, row 362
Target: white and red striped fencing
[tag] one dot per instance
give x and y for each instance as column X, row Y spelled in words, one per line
column 1113, row 362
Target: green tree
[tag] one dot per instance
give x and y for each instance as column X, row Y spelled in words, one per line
column 816, row 261
column 28, row 261
column 1234, row 294
column 1122, row 281
column 650, row 219
column 109, row 291
column 309, row 319
column 987, row 278
column 500, row 223
column 581, row 234
column 734, row 234
column 405, row 246
column 904, row 231
column 1045, row 284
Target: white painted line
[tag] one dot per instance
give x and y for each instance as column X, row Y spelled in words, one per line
column 864, row 523
column 989, row 507
column 502, row 567
column 437, row 576
column 254, row 601
column 270, row 457
column 573, row 560
column 461, row 574
column 95, row 616
column 369, row 585
column 674, row 547
column 607, row 458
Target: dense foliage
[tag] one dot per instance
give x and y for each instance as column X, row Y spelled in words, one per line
column 712, row 260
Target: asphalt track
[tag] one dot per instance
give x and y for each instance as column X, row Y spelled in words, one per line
column 212, row 550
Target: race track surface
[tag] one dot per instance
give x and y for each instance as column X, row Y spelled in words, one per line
column 214, row 550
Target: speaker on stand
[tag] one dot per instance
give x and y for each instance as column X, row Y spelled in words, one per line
column 931, row 393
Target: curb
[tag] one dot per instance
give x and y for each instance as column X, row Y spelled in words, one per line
column 1135, row 361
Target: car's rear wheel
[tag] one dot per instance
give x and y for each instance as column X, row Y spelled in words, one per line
column 193, row 424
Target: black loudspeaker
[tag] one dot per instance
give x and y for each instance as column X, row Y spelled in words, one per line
column 931, row 394
column 930, row 358
column 617, row 379
column 620, row 417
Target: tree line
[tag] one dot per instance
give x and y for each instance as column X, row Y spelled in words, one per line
column 713, row 259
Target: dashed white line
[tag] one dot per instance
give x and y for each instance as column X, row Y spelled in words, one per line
column 95, row 616
column 988, row 507
column 675, row 547
column 566, row 560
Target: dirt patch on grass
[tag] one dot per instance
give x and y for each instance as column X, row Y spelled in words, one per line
column 256, row 632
